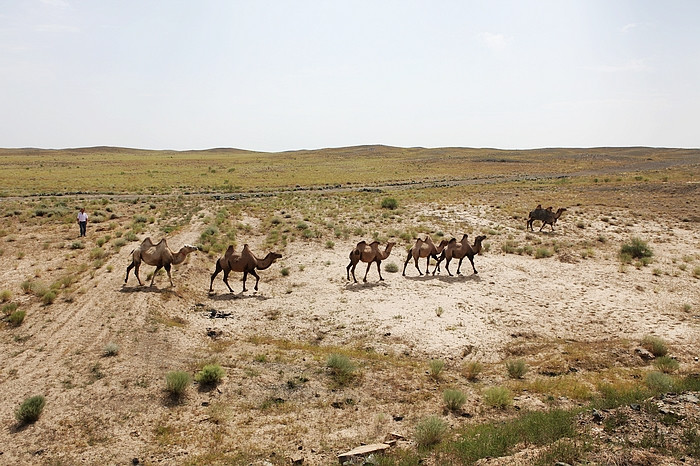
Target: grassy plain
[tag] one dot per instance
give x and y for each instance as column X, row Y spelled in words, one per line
column 312, row 365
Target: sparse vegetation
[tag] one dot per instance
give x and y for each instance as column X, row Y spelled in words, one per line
column 435, row 368
column 341, row 368
column 430, row 431
column 211, row 374
column 176, row 382
column 454, row 399
column 472, row 369
column 666, row 364
column 30, row 410
column 636, row 249
column 16, row 318
column 655, row 345
column 110, row 349
column 516, row 369
column 498, row 397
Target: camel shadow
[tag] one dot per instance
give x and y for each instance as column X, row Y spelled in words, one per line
column 235, row 296
column 459, row 278
column 420, row 278
column 147, row 289
column 352, row 286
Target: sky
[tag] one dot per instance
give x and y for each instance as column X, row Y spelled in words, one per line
column 278, row 75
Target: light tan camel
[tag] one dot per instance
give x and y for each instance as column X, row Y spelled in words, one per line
column 544, row 215
column 424, row 248
column 245, row 262
column 159, row 255
column 460, row 250
column 368, row 253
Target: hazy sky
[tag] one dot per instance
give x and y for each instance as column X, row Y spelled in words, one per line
column 284, row 75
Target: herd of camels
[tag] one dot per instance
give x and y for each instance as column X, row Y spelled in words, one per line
column 161, row 256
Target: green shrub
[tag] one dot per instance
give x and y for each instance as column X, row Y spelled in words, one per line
column 654, row 345
column 658, row 382
column 176, row 382
column 9, row 308
column 472, row 369
column 389, row 203
column 391, row 267
column 498, row 397
column 77, row 245
column 666, row 364
column 342, row 369
column 516, row 369
column 285, row 271
column 430, row 431
column 49, row 297
column 636, row 249
column 454, row 399
column 211, row 374
column 5, row 295
column 16, row 318
column 542, row 253
column 436, row 366
column 29, row 411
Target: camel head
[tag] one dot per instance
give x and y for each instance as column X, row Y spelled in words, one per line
column 477, row 243
column 188, row 248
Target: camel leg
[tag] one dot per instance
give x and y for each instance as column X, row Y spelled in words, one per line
column 379, row 269
column 447, row 265
column 136, row 272
column 406, row 263
column 128, row 269
column 353, row 271
column 437, row 266
column 213, row 276
column 167, row 269
column 543, row 224
column 459, row 265
column 226, row 272
column 369, row 264
column 257, row 278
column 418, row 268
column 153, row 279
column 347, row 269
column 245, row 276
column 471, row 259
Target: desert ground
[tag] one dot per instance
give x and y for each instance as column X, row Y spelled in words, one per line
column 561, row 301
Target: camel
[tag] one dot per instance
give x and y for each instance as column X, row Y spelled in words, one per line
column 368, row 253
column 159, row 255
column 424, row 248
column 460, row 250
column 547, row 216
column 245, row 262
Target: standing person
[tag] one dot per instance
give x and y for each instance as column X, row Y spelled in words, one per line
column 82, row 221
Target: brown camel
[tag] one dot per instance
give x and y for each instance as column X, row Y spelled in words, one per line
column 460, row 250
column 424, row 248
column 544, row 215
column 159, row 255
column 245, row 262
column 368, row 253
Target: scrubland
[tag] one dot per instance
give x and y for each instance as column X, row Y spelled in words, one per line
column 578, row 345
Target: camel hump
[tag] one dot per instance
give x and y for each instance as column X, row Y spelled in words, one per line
column 452, row 241
column 147, row 243
column 361, row 244
column 229, row 251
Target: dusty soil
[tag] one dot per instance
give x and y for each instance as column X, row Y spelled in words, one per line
column 277, row 402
